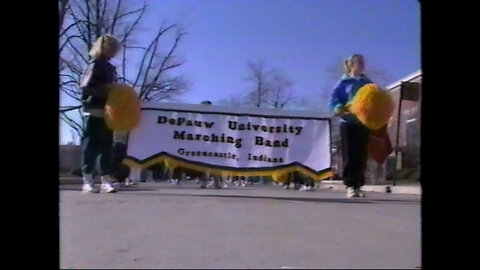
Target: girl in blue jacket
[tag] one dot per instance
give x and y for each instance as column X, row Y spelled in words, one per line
column 354, row 135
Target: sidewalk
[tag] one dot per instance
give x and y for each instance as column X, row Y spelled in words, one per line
column 401, row 187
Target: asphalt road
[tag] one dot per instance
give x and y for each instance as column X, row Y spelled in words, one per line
column 163, row 226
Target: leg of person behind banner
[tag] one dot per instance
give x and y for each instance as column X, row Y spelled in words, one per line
column 183, row 177
column 204, row 178
column 216, row 181
column 135, row 175
column 149, row 176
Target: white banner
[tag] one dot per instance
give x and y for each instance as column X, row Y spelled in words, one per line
column 232, row 139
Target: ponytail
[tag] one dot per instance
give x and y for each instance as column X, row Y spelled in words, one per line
column 346, row 67
column 348, row 62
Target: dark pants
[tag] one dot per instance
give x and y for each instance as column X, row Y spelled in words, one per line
column 354, row 153
column 97, row 140
column 309, row 182
column 120, row 171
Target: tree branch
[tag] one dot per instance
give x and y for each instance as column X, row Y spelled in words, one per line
column 72, row 123
column 124, row 59
column 130, row 13
column 80, row 30
column 70, row 26
column 73, row 69
column 98, row 28
column 160, row 32
column 67, row 41
column 149, row 66
column 162, row 68
column 115, row 17
column 68, row 82
column 135, row 23
column 103, row 13
column 69, row 108
column 84, row 13
column 67, row 75
column 89, row 30
column 77, row 51
column 71, row 93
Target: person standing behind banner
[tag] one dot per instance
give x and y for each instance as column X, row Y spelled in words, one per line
column 354, row 135
column 97, row 138
column 308, row 184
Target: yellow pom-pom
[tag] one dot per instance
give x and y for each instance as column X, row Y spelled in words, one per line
column 122, row 109
column 372, row 106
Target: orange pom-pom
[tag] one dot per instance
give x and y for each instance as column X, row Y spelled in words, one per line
column 372, row 106
column 122, row 109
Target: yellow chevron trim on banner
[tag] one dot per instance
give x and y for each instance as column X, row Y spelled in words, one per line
column 278, row 175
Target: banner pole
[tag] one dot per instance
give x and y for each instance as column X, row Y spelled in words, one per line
column 398, row 133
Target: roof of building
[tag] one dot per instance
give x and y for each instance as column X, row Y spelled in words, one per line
column 410, row 77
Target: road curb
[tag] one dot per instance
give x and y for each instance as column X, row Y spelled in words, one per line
column 412, row 189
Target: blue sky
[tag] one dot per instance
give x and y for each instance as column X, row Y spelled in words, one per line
column 301, row 37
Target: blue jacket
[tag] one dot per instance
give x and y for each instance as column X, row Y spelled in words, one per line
column 344, row 92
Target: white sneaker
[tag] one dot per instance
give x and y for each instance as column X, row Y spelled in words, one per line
column 360, row 193
column 351, row 192
column 107, row 188
column 89, row 188
column 128, row 182
column 106, row 185
column 303, row 188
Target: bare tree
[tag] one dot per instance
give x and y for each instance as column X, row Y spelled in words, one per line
column 87, row 20
column 236, row 100
column 280, row 93
column 271, row 87
column 258, row 75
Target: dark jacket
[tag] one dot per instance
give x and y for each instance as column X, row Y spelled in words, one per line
column 98, row 73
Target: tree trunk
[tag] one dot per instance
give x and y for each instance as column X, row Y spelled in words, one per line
column 62, row 4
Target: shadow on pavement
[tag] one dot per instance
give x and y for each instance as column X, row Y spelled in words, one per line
column 302, row 199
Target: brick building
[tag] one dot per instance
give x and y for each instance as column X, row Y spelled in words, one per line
column 70, row 157
column 407, row 163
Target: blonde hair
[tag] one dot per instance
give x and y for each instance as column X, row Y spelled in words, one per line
column 348, row 62
column 106, row 45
